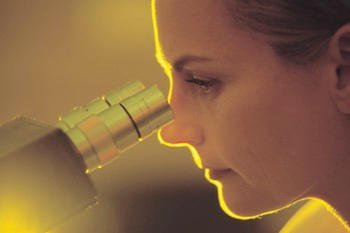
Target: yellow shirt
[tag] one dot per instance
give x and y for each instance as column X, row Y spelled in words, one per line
column 314, row 217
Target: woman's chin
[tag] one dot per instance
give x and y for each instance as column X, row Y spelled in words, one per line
column 244, row 212
column 246, row 205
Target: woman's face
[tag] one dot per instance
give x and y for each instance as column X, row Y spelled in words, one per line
column 260, row 126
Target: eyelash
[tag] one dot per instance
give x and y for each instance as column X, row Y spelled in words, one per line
column 206, row 85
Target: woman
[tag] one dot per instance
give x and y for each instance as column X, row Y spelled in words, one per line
column 261, row 90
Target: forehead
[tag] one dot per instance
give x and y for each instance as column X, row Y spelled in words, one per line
column 191, row 25
column 182, row 9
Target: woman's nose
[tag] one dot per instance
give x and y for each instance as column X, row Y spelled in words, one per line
column 177, row 132
column 186, row 126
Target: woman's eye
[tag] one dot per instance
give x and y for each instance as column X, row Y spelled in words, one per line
column 206, row 85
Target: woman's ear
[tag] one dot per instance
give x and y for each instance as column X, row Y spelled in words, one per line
column 339, row 52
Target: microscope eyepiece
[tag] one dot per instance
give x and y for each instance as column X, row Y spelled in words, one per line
column 109, row 125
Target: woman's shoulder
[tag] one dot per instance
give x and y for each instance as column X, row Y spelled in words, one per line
column 312, row 217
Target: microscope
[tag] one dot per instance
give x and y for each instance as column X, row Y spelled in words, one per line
column 44, row 169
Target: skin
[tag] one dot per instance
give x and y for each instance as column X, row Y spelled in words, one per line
column 275, row 132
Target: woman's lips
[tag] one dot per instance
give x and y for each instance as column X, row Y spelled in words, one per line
column 217, row 174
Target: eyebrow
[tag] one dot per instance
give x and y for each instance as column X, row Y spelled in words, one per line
column 186, row 59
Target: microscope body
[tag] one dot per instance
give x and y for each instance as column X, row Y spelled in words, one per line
column 42, row 178
column 44, row 170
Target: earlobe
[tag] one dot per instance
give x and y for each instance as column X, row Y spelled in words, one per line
column 339, row 51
